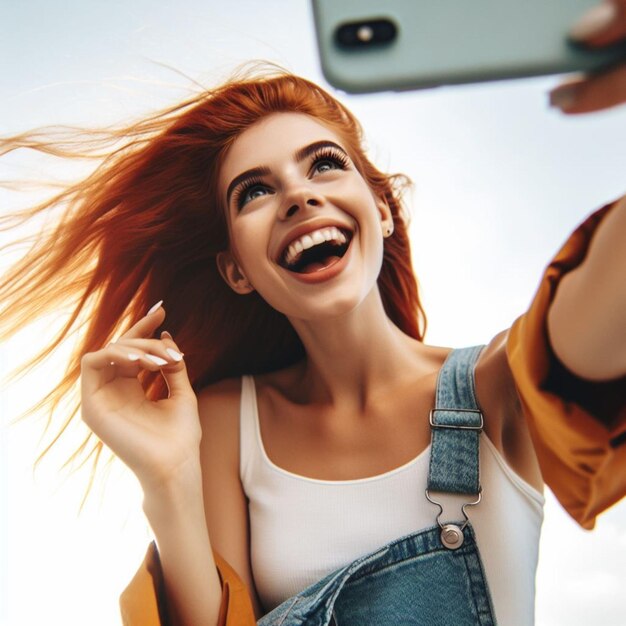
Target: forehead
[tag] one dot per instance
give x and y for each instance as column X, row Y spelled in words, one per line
column 273, row 138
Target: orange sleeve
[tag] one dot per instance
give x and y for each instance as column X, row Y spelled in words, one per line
column 142, row 603
column 578, row 427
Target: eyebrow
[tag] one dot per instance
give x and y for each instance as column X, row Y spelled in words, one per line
column 303, row 153
column 263, row 170
column 253, row 173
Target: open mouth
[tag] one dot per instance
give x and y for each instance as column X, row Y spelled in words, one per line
column 316, row 251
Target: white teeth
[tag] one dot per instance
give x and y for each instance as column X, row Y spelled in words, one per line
column 318, row 237
column 314, row 238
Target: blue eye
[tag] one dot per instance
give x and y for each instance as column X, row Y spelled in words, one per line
column 250, row 190
column 327, row 160
column 325, row 166
column 254, row 192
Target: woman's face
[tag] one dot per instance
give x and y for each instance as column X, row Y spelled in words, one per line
column 305, row 227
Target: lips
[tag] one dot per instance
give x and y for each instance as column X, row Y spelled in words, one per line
column 320, row 272
column 313, row 248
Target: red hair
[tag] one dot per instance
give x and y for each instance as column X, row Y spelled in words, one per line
column 148, row 225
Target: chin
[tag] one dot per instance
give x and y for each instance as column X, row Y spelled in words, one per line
column 329, row 306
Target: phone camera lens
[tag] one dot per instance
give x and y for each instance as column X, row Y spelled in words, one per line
column 366, row 33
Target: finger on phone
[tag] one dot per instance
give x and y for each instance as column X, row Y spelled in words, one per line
column 595, row 93
column 602, row 25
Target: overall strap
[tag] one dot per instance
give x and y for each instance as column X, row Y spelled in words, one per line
column 456, row 423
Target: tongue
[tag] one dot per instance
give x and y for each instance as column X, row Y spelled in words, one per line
column 316, row 266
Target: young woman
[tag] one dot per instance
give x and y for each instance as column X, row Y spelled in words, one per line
column 280, row 425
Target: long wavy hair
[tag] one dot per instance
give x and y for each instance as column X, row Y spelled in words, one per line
column 147, row 225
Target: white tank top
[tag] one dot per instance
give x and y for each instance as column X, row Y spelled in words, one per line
column 302, row 529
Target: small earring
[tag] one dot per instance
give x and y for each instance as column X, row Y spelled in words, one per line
column 388, row 231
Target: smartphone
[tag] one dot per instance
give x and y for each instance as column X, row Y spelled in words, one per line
column 374, row 45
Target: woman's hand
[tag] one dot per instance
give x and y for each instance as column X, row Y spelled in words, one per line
column 159, row 441
column 603, row 25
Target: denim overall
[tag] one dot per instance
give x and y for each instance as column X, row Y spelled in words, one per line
column 433, row 577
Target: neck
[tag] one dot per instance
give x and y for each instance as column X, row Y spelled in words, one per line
column 349, row 356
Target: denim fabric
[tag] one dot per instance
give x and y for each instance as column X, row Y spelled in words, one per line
column 413, row 580
column 454, row 453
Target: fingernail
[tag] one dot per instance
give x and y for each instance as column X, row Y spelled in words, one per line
column 156, row 359
column 155, row 308
column 133, row 357
column 166, row 335
column 594, row 21
column 177, row 356
column 564, row 98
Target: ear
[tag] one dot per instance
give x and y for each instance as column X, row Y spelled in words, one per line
column 232, row 273
column 386, row 218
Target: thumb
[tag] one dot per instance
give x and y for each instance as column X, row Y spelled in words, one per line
column 601, row 25
column 175, row 374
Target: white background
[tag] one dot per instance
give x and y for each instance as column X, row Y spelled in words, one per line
column 500, row 180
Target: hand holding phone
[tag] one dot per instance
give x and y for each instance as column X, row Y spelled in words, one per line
column 603, row 25
column 366, row 45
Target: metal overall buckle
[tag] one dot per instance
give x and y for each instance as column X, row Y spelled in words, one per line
column 452, row 535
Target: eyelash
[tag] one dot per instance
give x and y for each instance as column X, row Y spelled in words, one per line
column 320, row 155
column 330, row 154
column 240, row 193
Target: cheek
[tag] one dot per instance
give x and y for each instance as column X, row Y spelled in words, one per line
column 249, row 242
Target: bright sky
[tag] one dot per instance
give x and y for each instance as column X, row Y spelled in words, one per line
column 500, row 180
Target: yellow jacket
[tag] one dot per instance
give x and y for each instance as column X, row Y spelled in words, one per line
column 578, row 429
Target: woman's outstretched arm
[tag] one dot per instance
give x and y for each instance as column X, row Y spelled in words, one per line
column 578, row 426
column 587, row 319
column 160, row 443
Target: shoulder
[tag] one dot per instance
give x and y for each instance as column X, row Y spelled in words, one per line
column 495, row 385
column 224, row 394
column 218, row 408
column 505, row 424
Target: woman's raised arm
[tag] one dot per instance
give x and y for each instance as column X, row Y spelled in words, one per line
column 159, row 441
column 587, row 319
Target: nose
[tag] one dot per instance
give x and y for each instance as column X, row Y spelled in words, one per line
column 301, row 197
